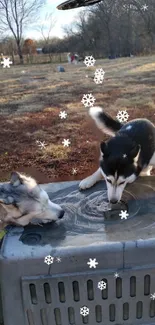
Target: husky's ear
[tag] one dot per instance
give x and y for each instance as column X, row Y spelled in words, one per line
column 103, row 147
column 135, row 152
column 16, row 179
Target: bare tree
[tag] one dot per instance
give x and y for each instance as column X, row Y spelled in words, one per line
column 46, row 28
column 15, row 15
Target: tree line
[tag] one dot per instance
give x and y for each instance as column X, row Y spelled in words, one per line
column 111, row 28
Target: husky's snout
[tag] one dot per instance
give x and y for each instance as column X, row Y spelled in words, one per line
column 113, row 201
column 62, row 212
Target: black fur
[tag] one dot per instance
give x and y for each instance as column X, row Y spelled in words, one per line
column 127, row 141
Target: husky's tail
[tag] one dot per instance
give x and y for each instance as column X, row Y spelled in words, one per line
column 104, row 122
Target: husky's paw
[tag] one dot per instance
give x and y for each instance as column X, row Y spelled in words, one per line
column 86, row 183
column 146, row 172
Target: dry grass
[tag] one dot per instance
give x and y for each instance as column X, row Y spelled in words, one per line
column 32, row 97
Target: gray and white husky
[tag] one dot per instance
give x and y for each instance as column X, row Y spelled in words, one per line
column 26, row 202
column 129, row 153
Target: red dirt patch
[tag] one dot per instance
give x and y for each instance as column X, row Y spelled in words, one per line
column 19, row 151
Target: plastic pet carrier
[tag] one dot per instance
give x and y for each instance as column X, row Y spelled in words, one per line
column 100, row 265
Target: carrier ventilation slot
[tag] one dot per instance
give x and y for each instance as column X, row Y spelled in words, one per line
column 125, row 311
column 33, row 294
column 30, row 317
column 105, row 291
column 147, row 285
column 43, row 315
column 133, row 286
column 90, row 290
column 57, row 315
column 85, row 319
column 61, row 289
column 139, row 310
column 76, row 293
column 118, row 288
column 152, row 309
column 112, row 313
column 71, row 316
column 47, row 293
column 98, row 313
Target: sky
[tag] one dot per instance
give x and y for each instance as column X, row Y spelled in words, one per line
column 63, row 18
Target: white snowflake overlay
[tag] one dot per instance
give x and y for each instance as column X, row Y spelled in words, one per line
column 102, row 285
column 63, row 114
column 144, row 7
column 92, row 263
column 58, row 259
column 88, row 100
column 66, row 142
column 123, row 214
column 74, row 171
column 6, row 62
column 116, row 275
column 84, row 311
column 49, row 259
column 99, row 76
column 41, row 144
column 89, row 61
column 152, row 296
column 122, row 116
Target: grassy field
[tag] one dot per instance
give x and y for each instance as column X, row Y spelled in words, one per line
column 33, row 96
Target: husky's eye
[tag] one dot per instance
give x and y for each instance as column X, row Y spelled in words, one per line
column 121, row 183
column 109, row 181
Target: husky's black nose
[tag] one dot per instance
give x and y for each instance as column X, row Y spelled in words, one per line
column 113, row 201
column 61, row 214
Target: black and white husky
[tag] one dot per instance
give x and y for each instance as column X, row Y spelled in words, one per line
column 129, row 153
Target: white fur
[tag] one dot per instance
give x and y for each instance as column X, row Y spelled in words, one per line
column 152, row 161
column 115, row 190
column 91, row 180
column 146, row 171
column 94, row 112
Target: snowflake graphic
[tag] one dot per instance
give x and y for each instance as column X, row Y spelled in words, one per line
column 49, row 259
column 99, row 76
column 74, row 171
column 6, row 62
column 66, row 142
column 152, row 296
column 144, row 7
column 84, row 311
column 58, row 259
column 92, row 263
column 88, row 100
column 116, row 275
column 98, row 80
column 41, row 144
column 123, row 214
column 102, row 285
column 125, row 155
column 122, row 116
column 99, row 73
column 89, row 61
column 63, row 114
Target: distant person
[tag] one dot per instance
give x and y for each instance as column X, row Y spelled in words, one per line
column 69, row 57
column 76, row 58
column 1, row 57
column 72, row 58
